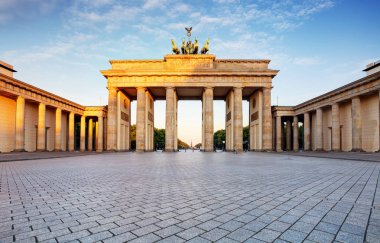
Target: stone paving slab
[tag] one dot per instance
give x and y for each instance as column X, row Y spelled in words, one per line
column 195, row 197
column 17, row 156
column 362, row 156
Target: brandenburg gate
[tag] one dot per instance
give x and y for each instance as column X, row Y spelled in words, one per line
column 189, row 76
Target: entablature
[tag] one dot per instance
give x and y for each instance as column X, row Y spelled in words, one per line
column 16, row 88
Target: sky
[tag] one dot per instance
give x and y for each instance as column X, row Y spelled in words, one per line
column 61, row 46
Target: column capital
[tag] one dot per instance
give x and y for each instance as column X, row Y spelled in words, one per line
column 112, row 88
column 141, row 88
column 169, row 87
column 208, row 88
column 237, row 88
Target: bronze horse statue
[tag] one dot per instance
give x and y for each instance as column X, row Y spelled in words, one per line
column 205, row 48
column 175, row 48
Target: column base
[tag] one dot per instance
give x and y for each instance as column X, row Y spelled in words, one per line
column 19, row 150
column 41, row 150
column 279, row 150
column 336, row 150
column 357, row 150
column 99, row 151
column 58, row 150
column 319, row 150
column 171, row 150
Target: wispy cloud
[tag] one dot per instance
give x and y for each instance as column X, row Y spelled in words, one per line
column 11, row 10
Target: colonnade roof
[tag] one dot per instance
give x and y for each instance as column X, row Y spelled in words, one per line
column 365, row 85
column 11, row 87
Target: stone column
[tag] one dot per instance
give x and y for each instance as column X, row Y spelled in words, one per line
column 170, row 123
column 83, row 133
column 208, row 119
column 335, row 128
column 306, row 131
column 99, row 148
column 175, row 121
column 112, row 119
column 356, row 125
column 238, row 119
column 267, row 120
column 288, row 135
column 295, row 134
column 58, row 130
column 140, row 119
column 105, row 129
column 90, row 132
column 41, row 139
column 71, row 131
column 20, row 124
column 278, row 134
column 319, row 130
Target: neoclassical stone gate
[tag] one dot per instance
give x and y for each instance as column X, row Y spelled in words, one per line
column 183, row 77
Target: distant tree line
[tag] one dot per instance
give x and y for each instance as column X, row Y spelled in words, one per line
column 220, row 136
column 159, row 139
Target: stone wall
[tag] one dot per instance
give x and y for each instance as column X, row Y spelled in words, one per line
column 7, row 124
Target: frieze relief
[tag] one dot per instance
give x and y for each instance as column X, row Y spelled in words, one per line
column 178, row 64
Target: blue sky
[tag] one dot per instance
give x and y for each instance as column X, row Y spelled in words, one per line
column 317, row 45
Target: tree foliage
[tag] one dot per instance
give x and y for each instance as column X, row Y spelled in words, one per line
column 219, row 137
column 182, row 145
column 159, row 139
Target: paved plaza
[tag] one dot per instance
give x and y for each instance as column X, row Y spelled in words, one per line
column 192, row 196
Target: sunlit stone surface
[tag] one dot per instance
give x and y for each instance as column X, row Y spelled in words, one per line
column 116, row 197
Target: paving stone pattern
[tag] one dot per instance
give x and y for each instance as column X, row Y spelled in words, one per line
column 192, row 196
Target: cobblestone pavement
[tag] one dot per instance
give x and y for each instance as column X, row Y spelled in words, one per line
column 196, row 197
column 4, row 157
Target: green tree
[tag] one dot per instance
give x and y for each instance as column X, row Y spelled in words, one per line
column 219, row 137
column 159, row 138
column 132, row 136
column 198, row 145
column 246, row 134
column 182, row 145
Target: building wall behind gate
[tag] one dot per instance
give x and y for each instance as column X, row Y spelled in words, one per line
column 370, row 122
column 64, row 130
column 149, row 128
column 346, row 126
column 7, row 124
column 229, row 121
column 327, row 123
column 313, row 119
column 50, row 132
column 123, row 121
column 255, row 118
column 31, row 121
